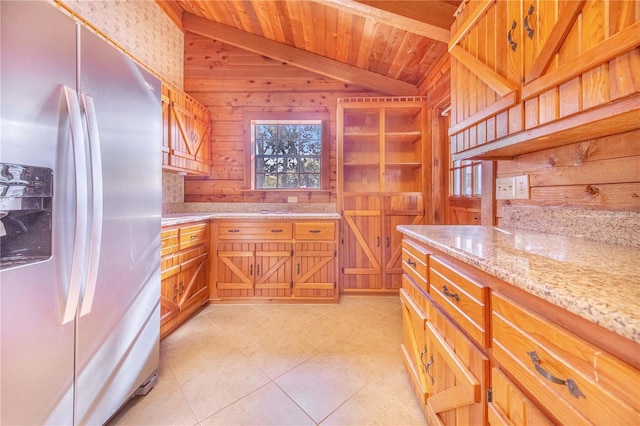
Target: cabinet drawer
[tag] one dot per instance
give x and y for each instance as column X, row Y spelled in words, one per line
column 193, row 235
column 315, row 231
column 168, row 241
column 510, row 407
column 255, row 231
column 415, row 263
column 464, row 300
column 576, row 382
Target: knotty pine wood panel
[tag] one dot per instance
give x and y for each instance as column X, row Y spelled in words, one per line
column 232, row 82
column 599, row 174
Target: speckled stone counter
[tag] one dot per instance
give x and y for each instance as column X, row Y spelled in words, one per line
column 597, row 281
column 180, row 218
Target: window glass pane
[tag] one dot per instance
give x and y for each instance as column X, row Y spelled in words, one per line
column 310, row 181
column 284, row 150
column 477, row 180
column 288, row 181
column 466, row 181
column 310, row 165
column 455, row 182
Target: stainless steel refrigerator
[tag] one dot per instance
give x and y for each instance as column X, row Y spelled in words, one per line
column 80, row 212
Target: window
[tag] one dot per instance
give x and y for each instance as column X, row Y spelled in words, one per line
column 288, row 154
column 466, row 179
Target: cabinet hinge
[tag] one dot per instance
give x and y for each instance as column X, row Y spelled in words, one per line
column 291, row 253
column 291, row 284
column 489, row 395
column 335, row 285
column 342, row 241
column 335, row 253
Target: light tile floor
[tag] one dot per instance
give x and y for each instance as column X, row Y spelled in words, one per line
column 271, row 364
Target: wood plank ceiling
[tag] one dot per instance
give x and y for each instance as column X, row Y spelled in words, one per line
column 383, row 45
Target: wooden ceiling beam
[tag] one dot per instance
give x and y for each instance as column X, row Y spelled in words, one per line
column 392, row 19
column 297, row 57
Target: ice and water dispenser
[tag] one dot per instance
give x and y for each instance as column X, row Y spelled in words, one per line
column 26, row 198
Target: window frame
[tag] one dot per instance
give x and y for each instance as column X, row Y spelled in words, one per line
column 250, row 155
column 474, row 170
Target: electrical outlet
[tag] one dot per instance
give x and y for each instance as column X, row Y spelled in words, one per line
column 505, row 188
column 522, row 187
column 292, row 199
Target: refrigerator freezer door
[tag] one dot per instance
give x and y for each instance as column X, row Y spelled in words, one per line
column 118, row 331
column 38, row 53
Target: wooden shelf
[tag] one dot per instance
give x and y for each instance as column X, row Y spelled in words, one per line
column 376, row 165
column 411, row 165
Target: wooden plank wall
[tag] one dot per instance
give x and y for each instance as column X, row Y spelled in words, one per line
column 598, row 174
column 232, row 82
column 437, row 88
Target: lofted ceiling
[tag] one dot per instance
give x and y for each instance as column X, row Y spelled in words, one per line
column 383, row 45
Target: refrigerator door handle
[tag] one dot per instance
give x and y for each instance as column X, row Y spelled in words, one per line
column 97, row 196
column 79, row 239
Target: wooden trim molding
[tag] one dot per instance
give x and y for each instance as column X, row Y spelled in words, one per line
column 559, row 32
column 614, row 117
column 464, row 29
column 503, row 104
column 614, row 46
column 484, row 73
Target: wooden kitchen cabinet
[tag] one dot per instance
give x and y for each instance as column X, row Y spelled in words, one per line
column 414, row 345
column 571, row 380
column 184, row 273
column 381, row 159
column 493, row 359
column 527, row 76
column 254, row 268
column 280, row 260
column 460, row 374
column 463, row 299
column 449, row 373
column 186, row 132
column 509, row 406
column 315, row 260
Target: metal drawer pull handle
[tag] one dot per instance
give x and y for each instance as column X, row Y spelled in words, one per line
column 510, row 37
column 571, row 385
column 427, row 366
column 193, row 237
column 314, row 231
column 455, row 296
column 233, row 230
column 527, row 27
column 276, row 230
column 411, row 262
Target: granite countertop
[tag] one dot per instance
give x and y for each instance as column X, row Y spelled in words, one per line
column 597, row 281
column 179, row 218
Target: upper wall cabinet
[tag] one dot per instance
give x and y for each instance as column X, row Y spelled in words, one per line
column 528, row 75
column 186, row 132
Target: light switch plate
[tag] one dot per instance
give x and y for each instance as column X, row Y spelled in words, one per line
column 505, row 188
